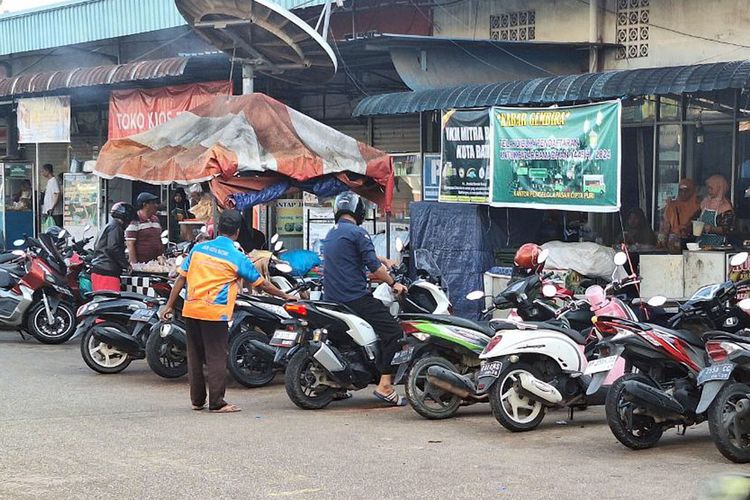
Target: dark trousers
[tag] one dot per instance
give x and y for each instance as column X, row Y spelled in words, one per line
column 387, row 328
column 58, row 220
column 207, row 344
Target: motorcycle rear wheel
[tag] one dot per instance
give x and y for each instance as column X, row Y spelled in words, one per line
column 645, row 432
column 164, row 358
column 99, row 356
column 300, row 383
column 247, row 367
column 430, row 402
column 506, row 402
column 731, row 441
column 57, row 333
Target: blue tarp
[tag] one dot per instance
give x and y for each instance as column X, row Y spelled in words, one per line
column 324, row 187
column 463, row 240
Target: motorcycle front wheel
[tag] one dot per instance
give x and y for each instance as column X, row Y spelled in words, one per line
column 302, row 383
column 100, row 357
column 637, row 432
column 429, row 401
column 61, row 329
column 164, row 357
column 247, row 366
column 731, row 431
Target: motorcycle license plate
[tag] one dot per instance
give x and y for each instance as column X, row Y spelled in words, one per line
column 283, row 338
column 719, row 371
column 491, row 369
column 403, row 356
column 601, row 365
column 142, row 315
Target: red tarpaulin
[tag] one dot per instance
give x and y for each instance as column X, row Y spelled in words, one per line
column 254, row 136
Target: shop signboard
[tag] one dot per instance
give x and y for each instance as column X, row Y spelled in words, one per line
column 44, row 120
column 465, row 175
column 738, row 274
column 134, row 111
column 562, row 158
column 81, row 204
column 289, row 217
column 431, row 177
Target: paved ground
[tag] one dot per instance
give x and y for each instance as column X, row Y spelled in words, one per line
column 66, row 432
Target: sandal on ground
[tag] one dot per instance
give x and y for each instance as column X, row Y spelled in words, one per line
column 393, row 399
column 227, row 408
column 342, row 396
column 199, row 408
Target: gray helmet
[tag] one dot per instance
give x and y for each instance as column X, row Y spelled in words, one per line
column 349, row 203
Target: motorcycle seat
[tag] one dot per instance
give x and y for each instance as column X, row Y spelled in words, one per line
column 13, row 268
column 689, row 337
column 7, row 280
column 573, row 335
column 7, row 257
column 482, row 326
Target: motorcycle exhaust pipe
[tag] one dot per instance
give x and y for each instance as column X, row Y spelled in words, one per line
column 538, row 390
column 652, row 398
column 263, row 349
column 452, row 382
column 117, row 339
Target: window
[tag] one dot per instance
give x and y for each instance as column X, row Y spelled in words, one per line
column 632, row 28
column 514, row 26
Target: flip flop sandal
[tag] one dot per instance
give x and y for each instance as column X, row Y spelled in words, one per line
column 393, row 399
column 227, row 408
column 198, row 408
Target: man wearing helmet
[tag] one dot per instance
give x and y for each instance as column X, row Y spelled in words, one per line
column 110, row 259
column 348, row 253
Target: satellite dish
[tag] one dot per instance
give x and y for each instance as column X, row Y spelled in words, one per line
column 265, row 36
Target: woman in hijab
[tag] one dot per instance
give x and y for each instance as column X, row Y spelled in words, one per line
column 638, row 235
column 679, row 214
column 716, row 212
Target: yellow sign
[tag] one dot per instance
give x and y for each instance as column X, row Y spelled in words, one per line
column 289, row 217
column 44, row 119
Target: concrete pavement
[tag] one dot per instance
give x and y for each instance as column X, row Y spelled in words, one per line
column 66, row 432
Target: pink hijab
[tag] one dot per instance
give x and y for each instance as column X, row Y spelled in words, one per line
column 719, row 202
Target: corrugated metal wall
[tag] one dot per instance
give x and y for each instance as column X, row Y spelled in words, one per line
column 90, row 20
column 396, row 134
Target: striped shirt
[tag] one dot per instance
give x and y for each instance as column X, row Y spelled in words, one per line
column 146, row 232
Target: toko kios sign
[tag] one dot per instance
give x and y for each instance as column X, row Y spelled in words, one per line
column 563, row 158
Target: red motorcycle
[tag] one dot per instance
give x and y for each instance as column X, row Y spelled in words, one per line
column 34, row 294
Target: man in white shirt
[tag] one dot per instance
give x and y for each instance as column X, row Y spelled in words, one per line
column 52, row 196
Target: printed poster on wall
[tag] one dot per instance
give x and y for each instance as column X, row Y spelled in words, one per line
column 81, row 205
column 465, row 176
column 289, row 217
column 134, row 111
column 431, row 177
column 563, row 158
column 44, row 120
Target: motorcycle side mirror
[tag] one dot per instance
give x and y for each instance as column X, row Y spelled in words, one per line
column 62, row 234
column 283, row 268
column 165, row 233
column 19, row 243
column 620, row 259
column 549, row 291
column 204, row 229
column 274, row 238
column 657, row 301
column 278, row 246
column 475, row 295
column 179, row 260
column 739, row 259
column 744, row 304
column 165, row 241
column 543, row 255
column 399, row 245
column 18, row 253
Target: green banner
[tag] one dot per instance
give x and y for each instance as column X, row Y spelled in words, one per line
column 563, row 158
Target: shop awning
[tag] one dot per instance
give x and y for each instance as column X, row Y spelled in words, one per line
column 37, row 83
column 254, row 149
column 565, row 89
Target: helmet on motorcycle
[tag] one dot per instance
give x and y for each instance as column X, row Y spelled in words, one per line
column 349, row 203
column 123, row 212
column 531, row 257
column 58, row 237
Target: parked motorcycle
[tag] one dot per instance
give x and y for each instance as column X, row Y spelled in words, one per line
column 33, row 292
column 725, row 394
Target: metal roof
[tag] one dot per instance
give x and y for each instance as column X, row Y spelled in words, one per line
column 82, row 21
column 35, row 83
column 565, row 89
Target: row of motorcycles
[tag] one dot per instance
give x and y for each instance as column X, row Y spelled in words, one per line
column 652, row 370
